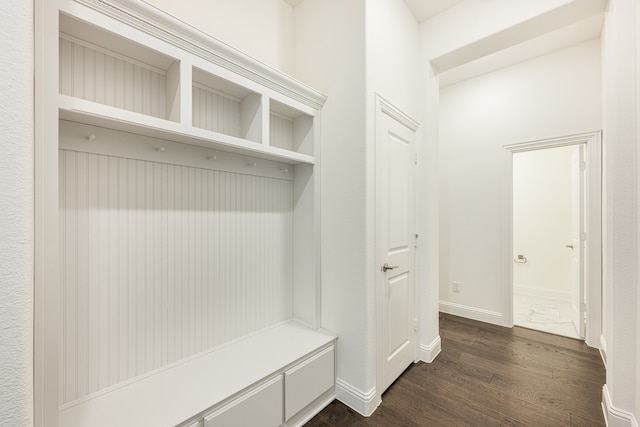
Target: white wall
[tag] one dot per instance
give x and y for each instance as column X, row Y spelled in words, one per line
column 393, row 48
column 428, row 227
column 262, row 29
column 350, row 51
column 620, row 44
column 542, row 222
column 395, row 70
column 550, row 96
column 330, row 56
column 16, row 213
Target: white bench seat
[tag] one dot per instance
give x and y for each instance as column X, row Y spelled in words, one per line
column 174, row 394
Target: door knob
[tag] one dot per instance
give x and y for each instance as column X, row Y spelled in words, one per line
column 568, row 246
column 386, row 267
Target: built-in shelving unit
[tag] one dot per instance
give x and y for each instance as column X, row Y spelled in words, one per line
column 187, row 228
column 290, row 129
column 223, row 107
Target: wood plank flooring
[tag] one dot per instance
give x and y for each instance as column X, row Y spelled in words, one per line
column 487, row 375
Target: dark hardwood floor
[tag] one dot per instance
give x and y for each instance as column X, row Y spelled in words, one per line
column 488, row 375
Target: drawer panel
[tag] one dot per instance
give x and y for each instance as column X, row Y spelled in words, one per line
column 308, row 380
column 260, row 406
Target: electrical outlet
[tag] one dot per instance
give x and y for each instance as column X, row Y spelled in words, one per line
column 455, row 286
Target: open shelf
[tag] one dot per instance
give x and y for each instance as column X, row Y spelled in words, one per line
column 290, row 129
column 99, row 66
column 225, row 107
column 82, row 111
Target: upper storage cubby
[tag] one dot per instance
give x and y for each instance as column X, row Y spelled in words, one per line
column 122, row 72
column 225, row 107
column 290, row 129
column 99, row 66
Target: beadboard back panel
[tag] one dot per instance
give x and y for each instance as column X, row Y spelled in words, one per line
column 160, row 262
column 98, row 75
column 216, row 111
column 281, row 131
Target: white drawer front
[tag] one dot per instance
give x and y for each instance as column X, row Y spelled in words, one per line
column 261, row 406
column 308, row 380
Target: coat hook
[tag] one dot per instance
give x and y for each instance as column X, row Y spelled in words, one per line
column 284, row 170
column 91, row 137
column 212, row 158
column 160, row 149
column 252, row 164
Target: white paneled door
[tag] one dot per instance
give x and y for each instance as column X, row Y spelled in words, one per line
column 395, row 241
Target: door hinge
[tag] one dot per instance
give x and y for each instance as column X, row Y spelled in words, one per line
column 415, row 324
column 583, row 237
column 415, row 158
column 415, row 242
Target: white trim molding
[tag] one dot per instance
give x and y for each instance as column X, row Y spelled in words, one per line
column 429, row 352
column 395, row 113
column 362, row 402
column 615, row 417
column 153, row 21
column 593, row 259
column 603, row 350
column 474, row 313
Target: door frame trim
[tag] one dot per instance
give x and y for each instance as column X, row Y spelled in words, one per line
column 593, row 261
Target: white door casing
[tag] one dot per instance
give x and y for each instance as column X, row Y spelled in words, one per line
column 578, row 238
column 592, row 224
column 395, row 241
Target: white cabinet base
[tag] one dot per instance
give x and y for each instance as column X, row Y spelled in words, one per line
column 261, row 406
column 190, row 390
column 307, row 381
column 312, row 409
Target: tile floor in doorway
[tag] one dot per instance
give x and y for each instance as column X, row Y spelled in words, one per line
column 543, row 314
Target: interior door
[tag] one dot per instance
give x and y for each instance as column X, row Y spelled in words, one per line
column 395, row 242
column 578, row 239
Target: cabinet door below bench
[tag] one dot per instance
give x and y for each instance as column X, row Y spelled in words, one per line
column 260, row 406
column 308, row 380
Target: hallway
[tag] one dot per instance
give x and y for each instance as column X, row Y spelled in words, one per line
column 488, row 375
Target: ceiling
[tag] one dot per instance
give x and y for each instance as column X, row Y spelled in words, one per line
column 425, row 9
column 421, row 9
column 572, row 34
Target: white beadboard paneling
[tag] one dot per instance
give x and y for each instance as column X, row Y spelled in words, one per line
column 216, row 111
column 109, row 142
column 290, row 128
column 162, row 261
column 96, row 74
column 281, row 131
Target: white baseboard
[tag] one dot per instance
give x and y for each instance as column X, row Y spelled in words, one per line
column 428, row 352
column 542, row 292
column 615, row 417
column 361, row 402
column 603, row 350
column 474, row 313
